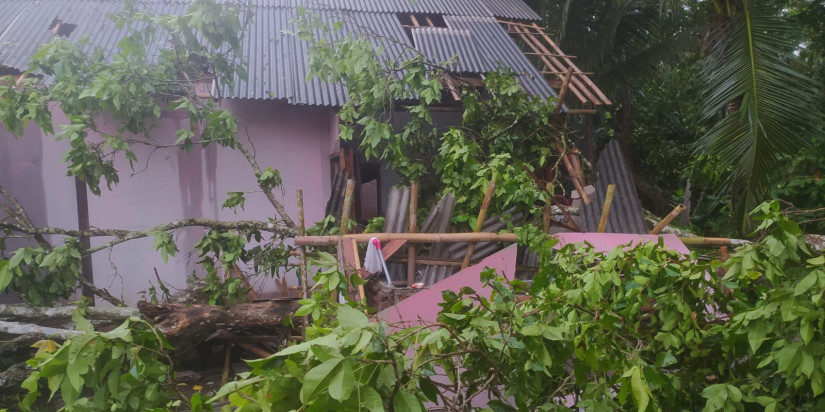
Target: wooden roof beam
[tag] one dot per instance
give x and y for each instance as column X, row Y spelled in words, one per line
column 557, row 49
column 553, row 64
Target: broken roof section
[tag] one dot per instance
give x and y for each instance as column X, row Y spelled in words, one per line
column 277, row 60
column 626, row 214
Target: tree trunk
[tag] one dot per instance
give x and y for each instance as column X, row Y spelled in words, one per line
column 186, row 326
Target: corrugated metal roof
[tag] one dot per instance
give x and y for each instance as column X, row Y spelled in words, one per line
column 626, row 211
column 442, row 44
column 276, row 60
column 509, row 9
column 495, row 45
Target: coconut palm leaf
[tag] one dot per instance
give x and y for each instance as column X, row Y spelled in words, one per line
column 747, row 65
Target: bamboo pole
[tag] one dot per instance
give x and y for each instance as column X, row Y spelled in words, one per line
column 578, row 181
column 347, row 206
column 413, row 223
column 608, row 201
column 563, row 91
column 582, row 111
column 409, row 237
column 362, row 295
column 227, row 360
column 669, row 218
column 302, row 253
column 715, row 242
column 482, row 214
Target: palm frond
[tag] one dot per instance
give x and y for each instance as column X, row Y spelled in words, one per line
column 748, row 61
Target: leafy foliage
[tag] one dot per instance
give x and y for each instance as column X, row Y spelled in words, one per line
column 125, row 369
column 640, row 328
column 767, row 103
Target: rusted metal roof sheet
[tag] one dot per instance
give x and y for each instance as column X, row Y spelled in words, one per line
column 626, row 211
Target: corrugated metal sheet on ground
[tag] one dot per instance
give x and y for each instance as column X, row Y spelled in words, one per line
column 626, row 211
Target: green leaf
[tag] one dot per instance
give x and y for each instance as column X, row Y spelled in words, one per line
column 341, row 385
column 817, row 261
column 805, row 284
column 639, row 389
column 317, row 379
column 406, row 402
column 6, row 275
column 350, row 318
column 756, row 335
column 817, row 382
column 807, row 331
column 233, row 387
column 371, row 399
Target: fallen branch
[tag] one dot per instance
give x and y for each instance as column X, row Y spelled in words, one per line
column 34, row 313
column 122, row 235
column 15, row 328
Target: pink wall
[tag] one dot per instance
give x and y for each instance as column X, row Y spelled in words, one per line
column 169, row 184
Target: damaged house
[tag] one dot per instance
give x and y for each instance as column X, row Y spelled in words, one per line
column 292, row 121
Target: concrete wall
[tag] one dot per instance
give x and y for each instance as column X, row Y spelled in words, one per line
column 169, row 184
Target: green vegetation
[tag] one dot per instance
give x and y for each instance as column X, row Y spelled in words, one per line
column 748, row 109
column 643, row 328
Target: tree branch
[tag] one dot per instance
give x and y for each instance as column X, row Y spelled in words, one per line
column 102, row 293
column 21, row 216
column 279, row 207
column 15, row 328
column 122, row 235
column 23, row 312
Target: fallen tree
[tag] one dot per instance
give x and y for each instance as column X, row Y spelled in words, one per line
column 184, row 326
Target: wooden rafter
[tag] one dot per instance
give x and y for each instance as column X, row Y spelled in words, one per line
column 558, row 64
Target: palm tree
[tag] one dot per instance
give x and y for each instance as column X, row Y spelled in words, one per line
column 764, row 107
column 761, row 108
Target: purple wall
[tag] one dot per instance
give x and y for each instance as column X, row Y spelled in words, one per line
column 169, row 184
